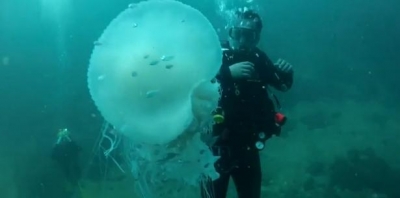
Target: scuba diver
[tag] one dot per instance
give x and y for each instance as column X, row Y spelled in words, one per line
column 66, row 154
column 246, row 116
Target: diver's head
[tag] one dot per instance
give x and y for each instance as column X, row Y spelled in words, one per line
column 245, row 31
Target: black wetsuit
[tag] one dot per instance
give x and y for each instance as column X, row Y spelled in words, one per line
column 66, row 154
column 248, row 110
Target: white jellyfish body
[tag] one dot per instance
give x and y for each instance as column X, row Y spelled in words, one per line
column 151, row 59
column 150, row 77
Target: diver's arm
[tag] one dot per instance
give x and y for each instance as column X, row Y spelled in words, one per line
column 279, row 79
column 224, row 74
column 282, row 81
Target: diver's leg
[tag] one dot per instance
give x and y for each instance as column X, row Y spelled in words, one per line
column 217, row 188
column 77, row 173
column 247, row 176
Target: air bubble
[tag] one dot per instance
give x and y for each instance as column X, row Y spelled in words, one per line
column 259, row 145
column 5, row 60
column 167, row 58
column 261, row 135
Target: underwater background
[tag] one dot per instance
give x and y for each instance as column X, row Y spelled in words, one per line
column 342, row 139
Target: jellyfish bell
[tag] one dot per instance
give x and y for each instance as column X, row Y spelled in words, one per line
column 150, row 77
column 147, row 66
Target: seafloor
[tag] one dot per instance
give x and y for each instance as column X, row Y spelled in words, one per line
column 328, row 149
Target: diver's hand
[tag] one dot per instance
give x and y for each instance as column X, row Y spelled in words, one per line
column 284, row 66
column 242, row 70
